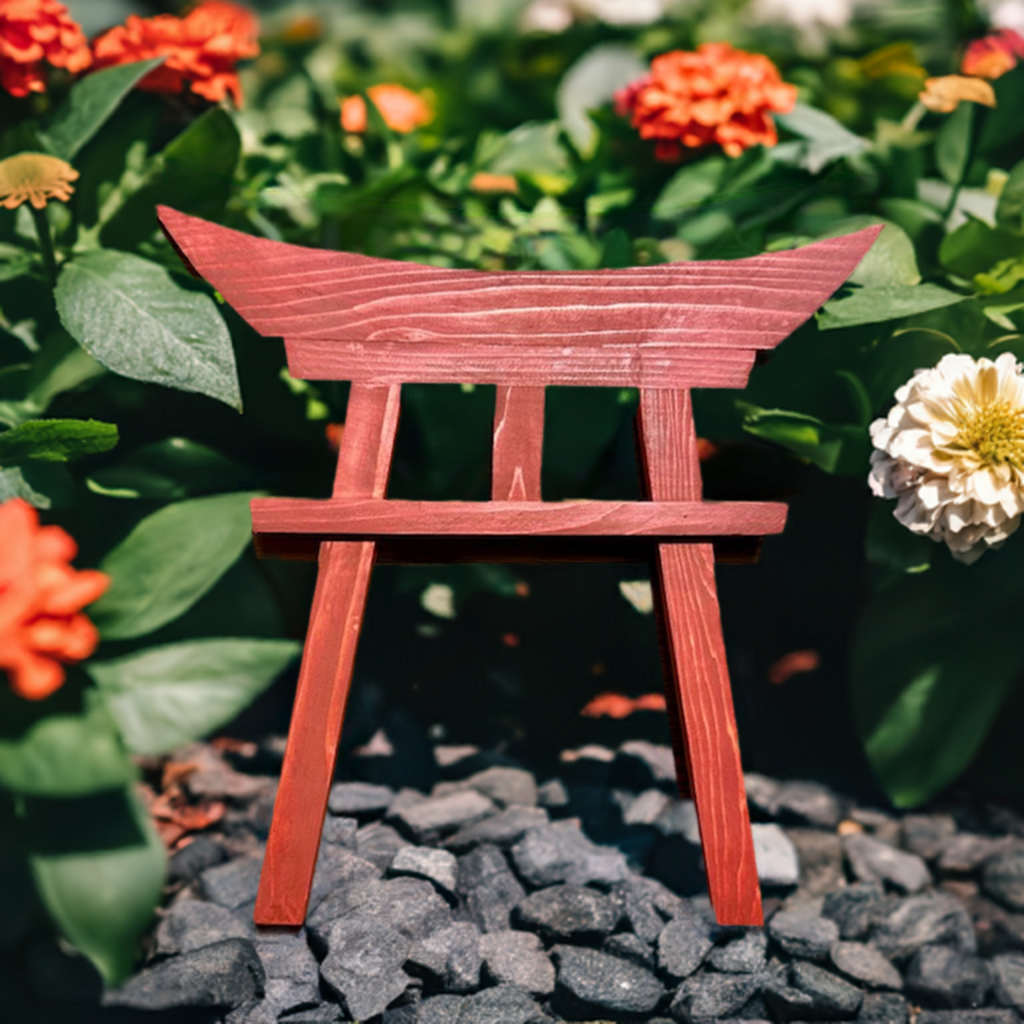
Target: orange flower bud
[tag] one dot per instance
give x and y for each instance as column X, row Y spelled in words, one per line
column 402, row 109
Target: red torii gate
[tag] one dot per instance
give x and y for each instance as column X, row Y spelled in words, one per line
column 382, row 323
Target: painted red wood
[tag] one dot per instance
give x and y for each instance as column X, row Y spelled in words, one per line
column 700, row 697
column 329, row 654
column 518, row 443
column 364, row 518
column 350, row 317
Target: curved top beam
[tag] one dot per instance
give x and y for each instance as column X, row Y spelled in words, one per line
column 349, row 317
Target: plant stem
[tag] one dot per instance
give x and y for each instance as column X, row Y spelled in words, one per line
column 913, row 116
column 45, row 242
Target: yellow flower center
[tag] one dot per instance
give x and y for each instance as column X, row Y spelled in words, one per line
column 995, row 433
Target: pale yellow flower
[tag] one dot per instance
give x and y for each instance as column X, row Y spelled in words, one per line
column 951, row 451
column 943, row 95
column 34, row 178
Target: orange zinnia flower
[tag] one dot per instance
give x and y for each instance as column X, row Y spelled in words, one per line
column 715, row 95
column 33, row 32
column 41, row 601
column 994, row 55
column 402, row 109
column 943, row 95
column 201, row 49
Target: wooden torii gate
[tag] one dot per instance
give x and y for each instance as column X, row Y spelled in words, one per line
column 382, row 323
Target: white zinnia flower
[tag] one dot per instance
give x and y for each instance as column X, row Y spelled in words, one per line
column 558, row 15
column 951, row 451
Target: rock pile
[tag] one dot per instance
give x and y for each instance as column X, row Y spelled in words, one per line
column 492, row 900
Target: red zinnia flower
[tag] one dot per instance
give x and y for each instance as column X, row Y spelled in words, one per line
column 201, row 49
column 41, row 598
column 994, row 55
column 715, row 95
column 34, row 32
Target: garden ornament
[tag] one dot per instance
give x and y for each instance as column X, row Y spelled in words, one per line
column 381, row 323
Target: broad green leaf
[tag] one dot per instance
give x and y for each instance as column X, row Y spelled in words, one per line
column 953, row 145
column 194, row 174
column 934, row 657
column 169, row 471
column 100, row 868
column 169, row 561
column 827, row 139
column 888, row 543
column 1010, row 209
column 55, row 440
column 130, row 316
column 14, row 485
column 974, row 248
column 90, row 103
column 876, row 305
column 617, row 249
column 66, row 755
column 689, row 187
column 14, row 261
column 833, row 448
column 532, row 148
column 590, row 82
column 166, row 696
column 889, row 263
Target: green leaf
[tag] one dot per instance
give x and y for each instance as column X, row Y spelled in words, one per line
column 933, row 659
column 953, row 145
column 100, row 868
column 167, row 696
column 876, row 305
column 827, row 139
column 90, row 103
column 590, row 82
column 689, row 187
column 55, row 440
column 890, row 544
column 14, row 261
column 833, row 448
column 1010, row 209
column 66, row 755
column 974, row 247
column 130, row 316
column 169, row 561
column 14, row 485
column 194, row 174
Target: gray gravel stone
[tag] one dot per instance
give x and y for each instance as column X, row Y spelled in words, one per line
column 437, row 866
column 641, row 808
column 820, row 855
column 864, row 965
column 930, row 918
column 639, row 905
column 489, row 887
column 640, row 764
column 363, row 966
column 883, row 1008
column 336, row 868
column 881, row 825
column 590, row 979
column 704, row 997
column 190, row 861
column 682, row 946
column 293, row 975
column 503, row 1004
column 228, row 973
column 872, row 860
column 450, row 957
column 360, row 800
column 1008, row 980
column 745, row 955
column 807, row 803
column 966, row 852
column 552, row 794
column 560, row 852
column 567, row 913
column 233, row 884
column 378, row 843
column 857, row 908
column 986, row 1016
column 503, row 829
column 1003, row 878
column 943, row 978
column 430, row 819
column 192, row 924
column 775, row 856
column 831, row 997
column 443, row 1009
column 925, row 834
column 630, row 947
column 518, row 958
column 506, row 786
column 341, row 831
column 807, row 936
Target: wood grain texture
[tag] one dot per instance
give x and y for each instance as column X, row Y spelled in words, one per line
column 364, row 519
column 350, row 317
column 518, row 444
column 683, row 581
column 339, row 601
